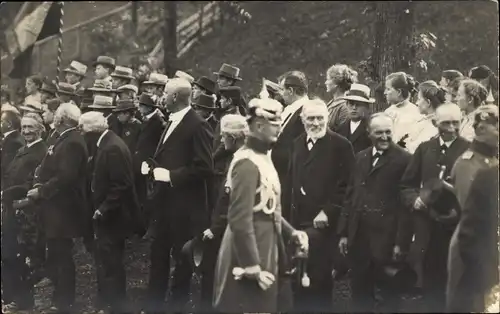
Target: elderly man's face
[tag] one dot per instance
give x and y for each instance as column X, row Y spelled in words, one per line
column 30, row 130
column 448, row 123
column 314, row 119
column 381, row 132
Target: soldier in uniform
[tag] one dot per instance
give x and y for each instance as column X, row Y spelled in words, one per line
column 104, row 66
column 130, row 126
column 234, row 129
column 252, row 251
column 20, row 233
column 74, row 74
column 481, row 155
column 121, row 76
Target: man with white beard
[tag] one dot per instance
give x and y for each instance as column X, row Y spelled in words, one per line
column 314, row 189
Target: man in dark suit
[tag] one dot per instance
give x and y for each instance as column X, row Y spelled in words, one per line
column 130, row 126
column 185, row 164
column 432, row 160
column 152, row 127
column 12, row 139
column 116, row 209
column 318, row 173
column 355, row 129
column 62, row 195
column 374, row 221
column 295, row 87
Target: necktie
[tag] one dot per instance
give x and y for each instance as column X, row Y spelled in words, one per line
column 443, row 149
column 375, row 158
column 169, row 123
column 310, row 144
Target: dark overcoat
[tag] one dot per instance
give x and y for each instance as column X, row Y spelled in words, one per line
column 10, row 145
column 373, row 199
column 359, row 139
column 113, row 190
column 130, row 132
column 63, row 190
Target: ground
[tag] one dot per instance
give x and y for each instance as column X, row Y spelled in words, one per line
column 137, row 266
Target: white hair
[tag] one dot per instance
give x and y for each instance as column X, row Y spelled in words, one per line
column 318, row 104
column 380, row 115
column 448, row 109
column 93, row 121
column 67, row 113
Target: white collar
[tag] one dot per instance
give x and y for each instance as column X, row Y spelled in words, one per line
column 33, row 143
column 101, row 137
column 65, row 131
column 374, row 151
column 441, row 142
column 356, row 124
column 296, row 105
column 7, row 133
column 314, row 140
column 52, row 126
column 179, row 115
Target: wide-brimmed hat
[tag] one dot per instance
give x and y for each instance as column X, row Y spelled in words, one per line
column 184, row 75
column 127, row 88
column 107, row 61
column 229, row 71
column 102, row 86
column 205, row 101
column 231, row 92
column 49, row 88
column 441, row 201
column 206, row 83
column 156, row 79
column 146, row 100
column 102, row 102
column 194, row 251
column 123, row 72
column 124, row 105
column 66, row 89
column 33, row 106
column 268, row 109
column 77, row 68
column 359, row 92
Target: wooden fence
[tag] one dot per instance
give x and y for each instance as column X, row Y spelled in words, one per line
column 77, row 39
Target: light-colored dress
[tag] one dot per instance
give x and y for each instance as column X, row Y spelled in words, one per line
column 467, row 127
column 422, row 131
column 405, row 115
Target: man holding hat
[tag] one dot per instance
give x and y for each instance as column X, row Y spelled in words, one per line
column 130, row 126
column 104, row 66
column 252, row 245
column 75, row 73
column 121, row 76
column 355, row 129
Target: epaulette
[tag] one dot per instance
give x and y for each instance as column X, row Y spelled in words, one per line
column 468, row 154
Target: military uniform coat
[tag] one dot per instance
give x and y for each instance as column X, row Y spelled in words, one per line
column 113, row 190
column 252, row 235
column 373, row 202
column 63, row 178
column 359, row 139
column 480, row 156
column 10, row 145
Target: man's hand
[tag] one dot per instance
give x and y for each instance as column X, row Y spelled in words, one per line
column 265, row 280
column 97, row 215
column 321, row 220
column 302, row 239
column 207, row 234
column 34, row 194
column 396, row 253
column 343, row 246
column 145, row 168
column 419, row 204
column 161, row 174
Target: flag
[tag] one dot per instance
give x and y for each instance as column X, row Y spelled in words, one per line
column 24, row 32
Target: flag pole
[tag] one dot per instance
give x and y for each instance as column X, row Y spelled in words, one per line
column 60, row 42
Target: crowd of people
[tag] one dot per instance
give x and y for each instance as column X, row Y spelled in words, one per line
column 270, row 200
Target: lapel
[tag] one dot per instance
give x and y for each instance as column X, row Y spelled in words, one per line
column 292, row 120
column 104, row 141
column 178, row 130
column 361, row 128
column 25, row 149
column 315, row 151
column 62, row 137
column 383, row 160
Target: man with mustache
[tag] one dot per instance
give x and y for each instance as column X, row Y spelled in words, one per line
column 318, row 174
column 373, row 222
column 431, row 161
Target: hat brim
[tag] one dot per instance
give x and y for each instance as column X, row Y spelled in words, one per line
column 65, row 93
column 102, row 90
column 106, row 64
column 204, row 87
column 30, row 109
column 48, row 91
column 123, row 76
column 116, row 109
column 154, row 83
column 228, row 76
column 100, row 107
column 74, row 72
column 359, row 99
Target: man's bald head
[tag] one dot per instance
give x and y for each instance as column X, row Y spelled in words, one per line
column 178, row 94
column 448, row 112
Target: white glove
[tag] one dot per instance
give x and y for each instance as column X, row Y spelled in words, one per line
column 208, row 234
column 302, row 239
column 161, row 174
column 145, row 168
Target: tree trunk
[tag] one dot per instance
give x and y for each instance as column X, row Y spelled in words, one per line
column 170, row 38
column 393, row 50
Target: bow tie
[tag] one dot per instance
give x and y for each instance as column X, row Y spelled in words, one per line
column 377, row 155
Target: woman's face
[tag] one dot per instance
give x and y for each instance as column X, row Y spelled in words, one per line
column 422, row 103
column 329, row 83
column 30, row 130
column 462, row 98
column 31, row 87
column 393, row 96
